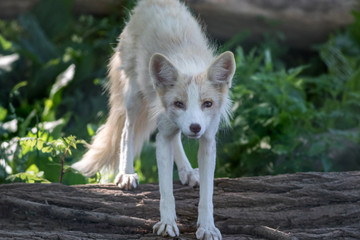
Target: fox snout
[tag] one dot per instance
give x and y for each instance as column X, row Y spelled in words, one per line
column 195, row 128
column 195, row 131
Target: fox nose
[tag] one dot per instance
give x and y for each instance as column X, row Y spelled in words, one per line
column 195, row 128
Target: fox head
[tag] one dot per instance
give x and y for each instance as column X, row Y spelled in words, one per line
column 193, row 102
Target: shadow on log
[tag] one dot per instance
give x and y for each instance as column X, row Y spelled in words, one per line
column 293, row 206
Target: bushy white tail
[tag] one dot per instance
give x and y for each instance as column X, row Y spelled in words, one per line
column 103, row 153
column 104, row 150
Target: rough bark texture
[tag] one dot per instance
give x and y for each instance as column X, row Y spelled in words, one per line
column 303, row 22
column 294, row 206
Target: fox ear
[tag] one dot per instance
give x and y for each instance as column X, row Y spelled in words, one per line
column 162, row 71
column 222, row 70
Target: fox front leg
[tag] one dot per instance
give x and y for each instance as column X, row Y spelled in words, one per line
column 165, row 161
column 187, row 174
column 206, row 158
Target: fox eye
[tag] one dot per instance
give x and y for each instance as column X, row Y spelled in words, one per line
column 179, row 104
column 207, row 104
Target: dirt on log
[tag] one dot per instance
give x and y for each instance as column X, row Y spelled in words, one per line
column 292, row 206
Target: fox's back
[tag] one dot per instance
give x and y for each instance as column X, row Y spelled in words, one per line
column 166, row 21
column 167, row 27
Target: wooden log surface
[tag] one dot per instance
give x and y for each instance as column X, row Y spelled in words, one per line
column 291, row 206
column 303, row 22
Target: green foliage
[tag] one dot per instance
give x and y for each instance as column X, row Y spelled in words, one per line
column 50, row 87
column 284, row 120
column 288, row 122
column 32, row 175
column 38, row 157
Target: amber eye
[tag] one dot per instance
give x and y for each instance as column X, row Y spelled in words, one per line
column 207, row 104
column 179, row 104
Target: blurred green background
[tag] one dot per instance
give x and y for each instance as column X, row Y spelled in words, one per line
column 291, row 113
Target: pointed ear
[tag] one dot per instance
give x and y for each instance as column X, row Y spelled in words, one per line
column 162, row 71
column 222, row 70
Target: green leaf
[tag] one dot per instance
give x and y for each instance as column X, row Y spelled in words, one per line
column 4, row 44
column 336, row 62
column 268, row 60
column 91, row 129
column 3, row 113
column 294, row 72
column 28, row 177
column 19, row 85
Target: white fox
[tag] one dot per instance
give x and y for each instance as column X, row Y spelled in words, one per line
column 164, row 74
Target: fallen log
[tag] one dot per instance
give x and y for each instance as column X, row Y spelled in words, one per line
column 291, row 206
column 303, row 23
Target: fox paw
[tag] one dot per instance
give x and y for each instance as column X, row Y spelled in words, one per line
column 127, row 181
column 208, row 233
column 190, row 178
column 166, row 229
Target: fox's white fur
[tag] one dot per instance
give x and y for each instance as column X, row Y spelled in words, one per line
column 164, row 74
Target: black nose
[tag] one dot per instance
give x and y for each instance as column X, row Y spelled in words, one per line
column 195, row 128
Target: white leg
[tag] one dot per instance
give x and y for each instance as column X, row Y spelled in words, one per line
column 187, row 174
column 165, row 162
column 127, row 178
column 206, row 158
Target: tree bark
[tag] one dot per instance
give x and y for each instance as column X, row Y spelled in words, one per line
column 292, row 206
column 303, row 22
column 13, row 8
